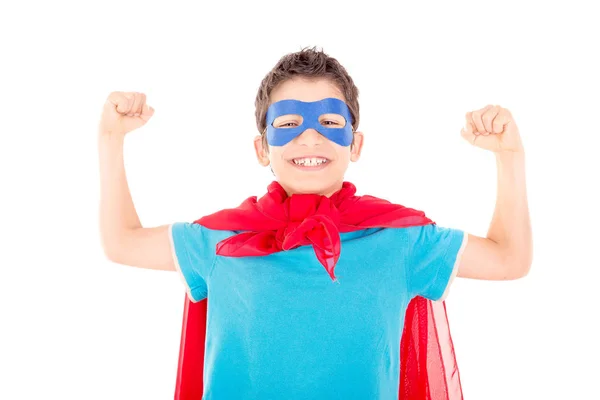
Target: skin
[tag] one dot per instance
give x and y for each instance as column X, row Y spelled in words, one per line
column 505, row 252
column 327, row 180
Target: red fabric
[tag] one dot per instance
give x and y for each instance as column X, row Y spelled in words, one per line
column 277, row 222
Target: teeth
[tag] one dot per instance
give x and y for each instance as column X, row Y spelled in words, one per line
column 309, row 162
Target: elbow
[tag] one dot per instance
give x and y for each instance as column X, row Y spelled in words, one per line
column 113, row 246
column 520, row 271
column 110, row 254
column 518, row 267
column 111, row 251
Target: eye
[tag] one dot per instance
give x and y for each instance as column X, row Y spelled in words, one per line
column 332, row 120
column 288, row 121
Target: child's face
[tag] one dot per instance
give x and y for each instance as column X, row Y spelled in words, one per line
column 325, row 178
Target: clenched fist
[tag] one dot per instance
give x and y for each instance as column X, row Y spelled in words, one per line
column 124, row 112
column 492, row 128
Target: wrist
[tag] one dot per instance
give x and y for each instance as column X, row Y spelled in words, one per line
column 107, row 138
column 510, row 159
column 508, row 155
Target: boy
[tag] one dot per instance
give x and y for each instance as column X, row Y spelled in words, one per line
column 277, row 325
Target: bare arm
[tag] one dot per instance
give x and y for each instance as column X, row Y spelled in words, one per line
column 124, row 240
column 507, row 251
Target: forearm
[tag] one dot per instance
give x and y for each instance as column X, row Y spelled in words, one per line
column 511, row 226
column 117, row 212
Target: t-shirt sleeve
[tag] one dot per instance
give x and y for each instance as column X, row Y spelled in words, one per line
column 193, row 257
column 434, row 256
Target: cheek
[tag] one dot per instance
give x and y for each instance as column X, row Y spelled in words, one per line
column 277, row 155
column 342, row 153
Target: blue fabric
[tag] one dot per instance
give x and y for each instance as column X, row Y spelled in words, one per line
column 278, row 327
column 310, row 112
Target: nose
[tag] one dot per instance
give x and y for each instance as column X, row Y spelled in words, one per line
column 310, row 137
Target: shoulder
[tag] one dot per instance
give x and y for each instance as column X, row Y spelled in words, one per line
column 408, row 233
column 196, row 235
column 194, row 228
column 423, row 236
column 426, row 232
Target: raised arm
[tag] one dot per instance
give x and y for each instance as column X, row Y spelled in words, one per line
column 506, row 252
column 124, row 240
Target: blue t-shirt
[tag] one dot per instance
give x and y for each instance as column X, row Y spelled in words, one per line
column 278, row 327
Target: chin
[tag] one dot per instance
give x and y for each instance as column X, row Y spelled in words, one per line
column 323, row 180
column 308, row 185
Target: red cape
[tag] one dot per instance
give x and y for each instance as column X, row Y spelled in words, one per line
column 276, row 222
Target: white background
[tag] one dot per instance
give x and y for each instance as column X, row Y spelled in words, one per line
column 76, row 326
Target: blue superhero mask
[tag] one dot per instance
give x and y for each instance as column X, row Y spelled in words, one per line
column 310, row 113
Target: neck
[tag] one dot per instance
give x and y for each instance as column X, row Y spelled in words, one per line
column 327, row 192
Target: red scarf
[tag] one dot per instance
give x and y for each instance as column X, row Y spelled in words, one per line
column 278, row 222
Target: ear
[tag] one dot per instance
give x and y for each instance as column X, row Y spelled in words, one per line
column 356, row 148
column 262, row 154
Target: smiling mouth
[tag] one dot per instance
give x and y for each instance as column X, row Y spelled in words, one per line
column 310, row 163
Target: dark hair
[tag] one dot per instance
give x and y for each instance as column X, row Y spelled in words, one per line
column 307, row 63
